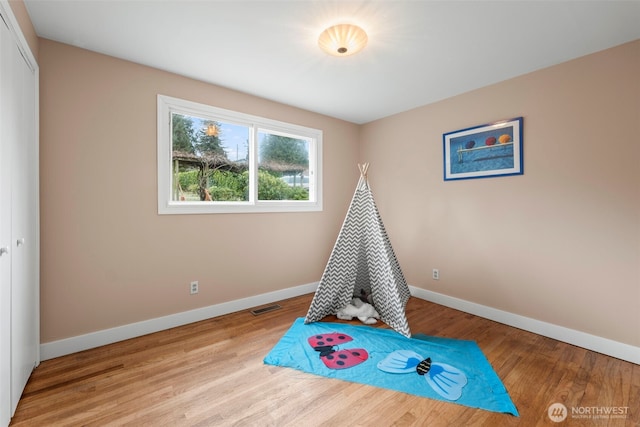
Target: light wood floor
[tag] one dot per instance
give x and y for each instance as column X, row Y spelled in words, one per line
column 211, row 373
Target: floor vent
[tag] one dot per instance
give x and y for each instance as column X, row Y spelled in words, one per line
column 266, row 309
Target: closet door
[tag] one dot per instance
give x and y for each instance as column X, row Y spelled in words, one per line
column 24, row 206
column 5, row 234
column 19, row 263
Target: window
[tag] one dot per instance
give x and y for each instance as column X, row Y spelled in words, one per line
column 212, row 160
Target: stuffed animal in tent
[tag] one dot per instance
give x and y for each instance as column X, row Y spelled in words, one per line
column 364, row 311
column 365, row 297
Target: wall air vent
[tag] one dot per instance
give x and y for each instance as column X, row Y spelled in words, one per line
column 266, row 309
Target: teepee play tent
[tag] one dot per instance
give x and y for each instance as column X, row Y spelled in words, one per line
column 363, row 261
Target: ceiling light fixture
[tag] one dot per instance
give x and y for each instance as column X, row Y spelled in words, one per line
column 212, row 130
column 343, row 40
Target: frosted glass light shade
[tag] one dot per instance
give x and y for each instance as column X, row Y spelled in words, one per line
column 343, row 40
column 212, row 130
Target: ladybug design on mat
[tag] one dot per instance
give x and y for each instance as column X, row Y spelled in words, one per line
column 337, row 359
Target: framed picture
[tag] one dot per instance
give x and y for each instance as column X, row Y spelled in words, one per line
column 493, row 149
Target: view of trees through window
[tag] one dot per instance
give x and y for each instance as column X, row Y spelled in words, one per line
column 211, row 162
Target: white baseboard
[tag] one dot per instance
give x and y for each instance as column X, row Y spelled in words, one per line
column 96, row 339
column 590, row 342
column 66, row 346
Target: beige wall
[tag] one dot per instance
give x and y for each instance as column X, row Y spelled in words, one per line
column 108, row 258
column 560, row 243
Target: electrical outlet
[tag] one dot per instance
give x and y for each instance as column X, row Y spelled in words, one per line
column 436, row 274
column 194, row 287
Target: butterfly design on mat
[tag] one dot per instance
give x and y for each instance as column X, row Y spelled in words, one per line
column 444, row 379
column 337, row 359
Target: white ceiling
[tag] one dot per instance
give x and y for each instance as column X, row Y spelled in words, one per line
column 419, row 52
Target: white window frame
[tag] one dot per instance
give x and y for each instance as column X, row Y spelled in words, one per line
column 168, row 105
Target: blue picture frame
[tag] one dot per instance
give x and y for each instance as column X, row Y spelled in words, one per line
column 489, row 150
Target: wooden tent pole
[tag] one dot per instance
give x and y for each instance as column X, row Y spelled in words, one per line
column 363, row 169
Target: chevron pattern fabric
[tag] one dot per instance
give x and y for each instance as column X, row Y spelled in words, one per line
column 363, row 259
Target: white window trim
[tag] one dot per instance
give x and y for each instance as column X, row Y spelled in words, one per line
column 167, row 105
